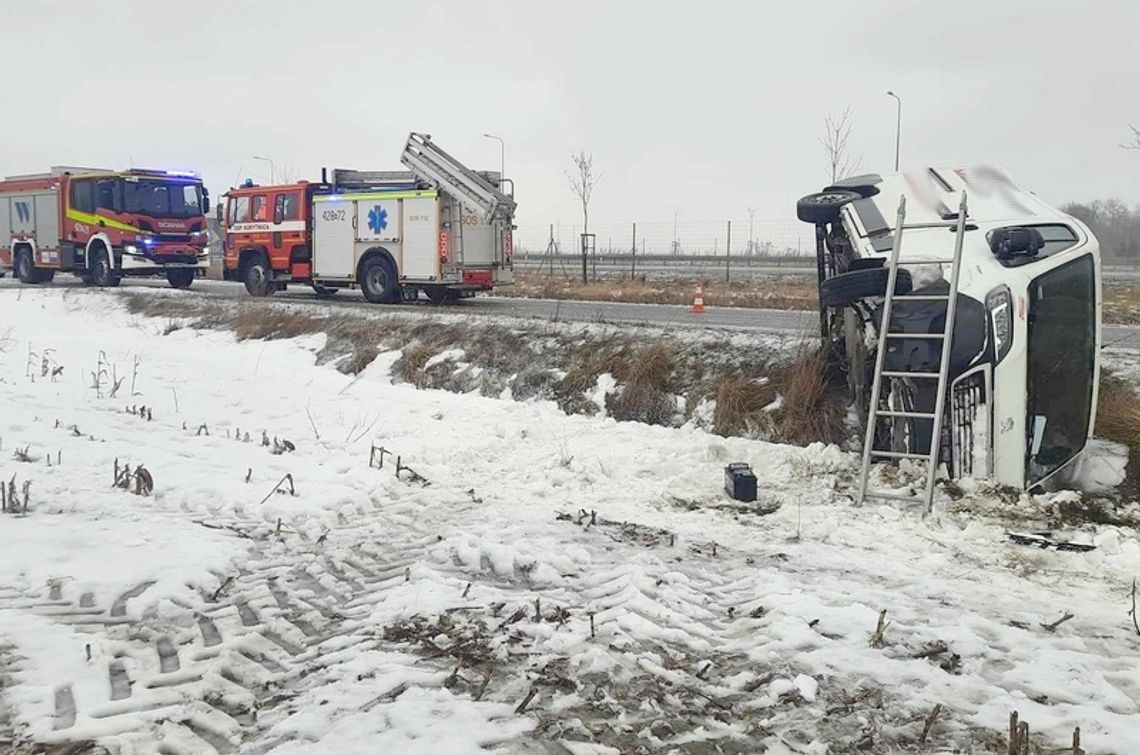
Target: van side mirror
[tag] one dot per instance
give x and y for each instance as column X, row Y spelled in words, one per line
column 1006, row 243
column 219, row 210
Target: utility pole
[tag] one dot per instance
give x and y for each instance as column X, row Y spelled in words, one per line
column 502, row 156
column 272, row 170
column 675, row 232
column 728, row 252
column 751, row 244
column 898, row 126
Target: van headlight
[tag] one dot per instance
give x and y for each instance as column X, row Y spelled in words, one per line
column 999, row 304
column 131, row 249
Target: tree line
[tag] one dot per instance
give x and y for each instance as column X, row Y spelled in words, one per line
column 1115, row 224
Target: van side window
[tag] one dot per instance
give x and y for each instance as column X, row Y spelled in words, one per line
column 239, row 210
column 83, row 195
column 260, row 208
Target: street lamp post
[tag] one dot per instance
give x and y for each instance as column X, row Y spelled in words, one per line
column 272, row 170
column 502, row 155
column 898, row 126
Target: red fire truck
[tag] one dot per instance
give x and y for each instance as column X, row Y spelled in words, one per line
column 439, row 228
column 104, row 225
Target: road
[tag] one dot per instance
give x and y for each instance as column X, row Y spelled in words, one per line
column 614, row 313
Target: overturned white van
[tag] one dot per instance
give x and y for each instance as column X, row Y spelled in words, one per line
column 1025, row 356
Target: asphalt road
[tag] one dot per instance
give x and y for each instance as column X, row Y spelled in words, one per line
column 612, row 313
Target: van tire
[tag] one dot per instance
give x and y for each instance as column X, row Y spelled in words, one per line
column 845, row 289
column 378, row 280
column 181, row 277
column 823, row 207
column 257, row 276
column 102, row 274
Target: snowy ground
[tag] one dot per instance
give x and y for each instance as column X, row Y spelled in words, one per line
column 536, row 583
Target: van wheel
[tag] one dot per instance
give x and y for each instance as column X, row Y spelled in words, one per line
column 258, row 278
column 824, row 207
column 180, row 277
column 378, row 281
column 25, row 269
column 845, row 289
column 102, row 274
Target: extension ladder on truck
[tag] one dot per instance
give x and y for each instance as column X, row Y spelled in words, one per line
column 946, row 337
column 431, row 163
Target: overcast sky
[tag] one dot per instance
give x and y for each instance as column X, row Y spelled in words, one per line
column 705, row 108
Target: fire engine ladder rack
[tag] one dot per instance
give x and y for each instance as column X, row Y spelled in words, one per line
column 946, row 337
column 431, row 163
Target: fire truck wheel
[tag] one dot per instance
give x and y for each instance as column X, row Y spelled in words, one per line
column 25, row 270
column 101, row 271
column 257, row 277
column 378, row 281
column 180, row 277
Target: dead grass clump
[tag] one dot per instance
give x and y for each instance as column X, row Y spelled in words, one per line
column 813, row 402
column 740, row 407
column 356, row 362
column 410, row 366
column 777, row 292
column 586, row 364
column 265, row 323
column 1118, row 420
column 1118, row 412
column 644, row 396
column 533, row 380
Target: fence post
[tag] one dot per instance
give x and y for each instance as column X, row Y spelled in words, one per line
column 728, row 252
column 633, row 255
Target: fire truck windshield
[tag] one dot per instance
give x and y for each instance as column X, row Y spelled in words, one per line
column 163, row 199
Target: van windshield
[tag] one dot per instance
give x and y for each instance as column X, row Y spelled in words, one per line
column 1061, row 364
column 162, row 199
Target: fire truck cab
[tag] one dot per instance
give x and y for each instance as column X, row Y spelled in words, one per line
column 104, row 225
column 439, row 228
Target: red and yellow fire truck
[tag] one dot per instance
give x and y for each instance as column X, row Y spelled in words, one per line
column 104, row 225
column 439, row 228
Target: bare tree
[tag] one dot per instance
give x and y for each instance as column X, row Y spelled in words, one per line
column 582, row 182
column 1135, row 143
column 836, row 132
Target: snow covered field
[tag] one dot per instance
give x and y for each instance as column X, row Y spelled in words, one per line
column 534, row 583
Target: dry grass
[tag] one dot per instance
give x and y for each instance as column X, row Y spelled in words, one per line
column 267, row 323
column 1118, row 412
column 1121, row 303
column 790, row 292
column 645, row 396
column 1118, row 420
column 650, row 376
column 813, row 407
column 811, row 402
column 740, row 406
column 356, row 362
column 1121, row 298
column 410, row 366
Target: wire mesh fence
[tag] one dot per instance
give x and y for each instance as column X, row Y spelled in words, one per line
column 665, row 249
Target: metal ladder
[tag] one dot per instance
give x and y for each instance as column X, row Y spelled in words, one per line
column 431, row 163
column 886, row 336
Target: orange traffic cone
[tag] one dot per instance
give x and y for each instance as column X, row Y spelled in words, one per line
column 699, row 301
